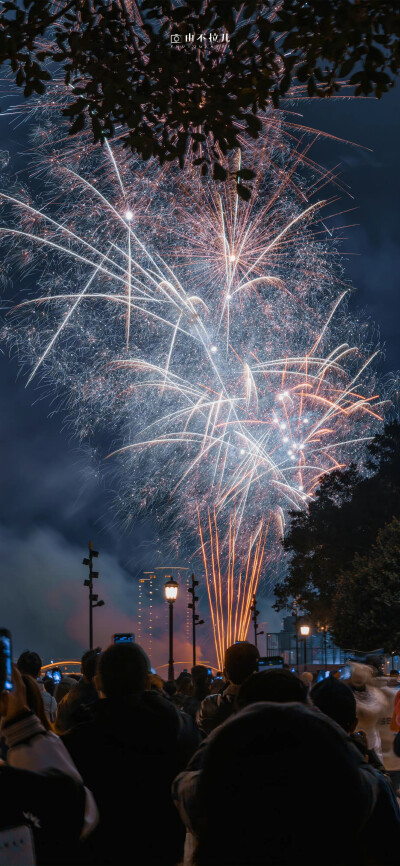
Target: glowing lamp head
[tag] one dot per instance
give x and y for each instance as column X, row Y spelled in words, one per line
column 229, row 297
column 242, row 451
column 128, row 215
column 304, row 630
column 232, row 257
column 214, row 349
column 305, row 420
column 171, row 590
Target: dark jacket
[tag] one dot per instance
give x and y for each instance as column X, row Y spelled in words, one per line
column 128, row 755
column 76, row 706
column 215, row 709
column 371, row 817
column 47, row 803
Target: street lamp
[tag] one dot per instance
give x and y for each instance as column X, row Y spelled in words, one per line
column 255, row 616
column 323, row 629
column 195, row 616
column 305, row 631
column 93, row 597
column 171, row 594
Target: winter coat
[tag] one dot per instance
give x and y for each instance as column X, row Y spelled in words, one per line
column 41, row 787
column 50, row 703
column 215, row 709
column 76, row 706
column 380, row 836
column 128, row 755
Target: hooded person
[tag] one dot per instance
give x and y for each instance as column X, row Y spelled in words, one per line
column 336, row 699
column 30, row 663
column 265, row 771
column 277, row 685
column 371, row 704
column 77, row 703
column 240, row 662
column 131, row 750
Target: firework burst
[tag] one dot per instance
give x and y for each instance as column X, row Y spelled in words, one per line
column 210, row 335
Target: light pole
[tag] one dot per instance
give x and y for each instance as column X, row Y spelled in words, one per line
column 255, row 616
column 195, row 616
column 171, row 593
column 93, row 598
column 295, row 605
column 323, row 629
column 305, row 631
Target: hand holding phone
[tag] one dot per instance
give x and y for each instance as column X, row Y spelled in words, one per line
column 14, row 702
column 6, row 681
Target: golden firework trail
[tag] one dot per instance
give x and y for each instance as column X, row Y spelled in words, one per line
column 231, row 584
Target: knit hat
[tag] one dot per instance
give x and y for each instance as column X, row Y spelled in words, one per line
column 336, row 700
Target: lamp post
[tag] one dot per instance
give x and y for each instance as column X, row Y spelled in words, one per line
column 255, row 616
column 323, row 629
column 295, row 606
column 195, row 616
column 171, row 593
column 93, row 598
column 305, row 631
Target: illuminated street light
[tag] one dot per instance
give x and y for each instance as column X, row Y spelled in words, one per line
column 305, row 631
column 171, row 594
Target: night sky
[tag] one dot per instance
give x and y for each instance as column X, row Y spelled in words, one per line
column 54, row 497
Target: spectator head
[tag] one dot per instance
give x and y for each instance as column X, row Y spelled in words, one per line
column 199, row 674
column 155, row 683
column 361, row 677
column 200, row 681
column 122, row 670
column 336, row 700
column 184, row 684
column 63, row 687
column 307, row 678
column 170, row 688
column 240, row 661
column 48, row 684
column 30, row 663
column 89, row 663
column 217, row 686
column 278, row 686
column 252, row 765
column 34, row 700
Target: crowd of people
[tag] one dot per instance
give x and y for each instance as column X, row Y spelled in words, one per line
column 248, row 767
